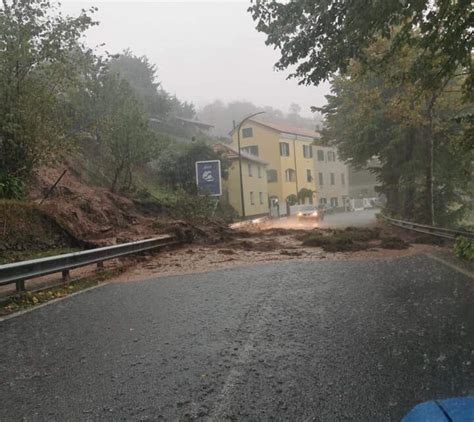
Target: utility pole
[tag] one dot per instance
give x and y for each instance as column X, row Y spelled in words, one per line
column 240, row 160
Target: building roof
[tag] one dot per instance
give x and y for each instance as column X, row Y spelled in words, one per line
column 284, row 128
column 233, row 154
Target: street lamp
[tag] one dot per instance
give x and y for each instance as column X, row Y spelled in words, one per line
column 240, row 159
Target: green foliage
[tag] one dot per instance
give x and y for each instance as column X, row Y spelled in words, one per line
column 11, row 187
column 175, row 167
column 304, row 194
column 321, row 38
column 36, row 69
column 464, row 248
column 141, row 76
column 292, row 199
column 123, row 131
column 380, row 114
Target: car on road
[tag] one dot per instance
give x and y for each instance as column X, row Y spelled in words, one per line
column 310, row 213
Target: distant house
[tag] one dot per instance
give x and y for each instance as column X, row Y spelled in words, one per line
column 254, row 178
column 331, row 177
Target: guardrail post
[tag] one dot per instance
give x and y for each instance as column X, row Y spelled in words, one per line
column 100, row 266
column 66, row 276
column 20, row 285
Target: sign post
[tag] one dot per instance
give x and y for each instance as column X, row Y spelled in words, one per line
column 208, row 177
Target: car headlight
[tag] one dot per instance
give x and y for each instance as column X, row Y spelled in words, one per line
column 315, row 213
column 300, row 214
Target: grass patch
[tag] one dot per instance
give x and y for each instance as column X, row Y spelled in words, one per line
column 27, row 299
column 25, row 227
column 7, row 257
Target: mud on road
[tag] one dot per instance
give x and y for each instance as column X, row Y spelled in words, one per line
column 251, row 245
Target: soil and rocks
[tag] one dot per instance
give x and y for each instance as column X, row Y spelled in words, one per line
column 251, row 244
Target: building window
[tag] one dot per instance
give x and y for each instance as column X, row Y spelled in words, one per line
column 333, row 179
column 252, row 200
column 309, row 178
column 272, row 176
column 334, row 202
column 259, row 172
column 284, row 149
column 251, row 149
column 307, row 151
column 331, row 156
column 343, row 179
column 250, row 170
column 290, row 175
column 260, row 196
column 247, row 132
column 320, row 155
column 322, row 201
column 321, row 179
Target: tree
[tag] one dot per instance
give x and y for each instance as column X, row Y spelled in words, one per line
column 420, row 144
column 176, row 165
column 304, row 194
column 142, row 78
column 35, row 71
column 125, row 137
column 322, row 37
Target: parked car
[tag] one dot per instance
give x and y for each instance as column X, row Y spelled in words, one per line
column 310, row 213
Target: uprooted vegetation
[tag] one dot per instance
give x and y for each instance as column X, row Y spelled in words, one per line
column 352, row 239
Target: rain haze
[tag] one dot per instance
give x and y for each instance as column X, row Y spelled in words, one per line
column 204, row 51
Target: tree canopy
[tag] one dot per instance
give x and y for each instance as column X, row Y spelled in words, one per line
column 320, row 38
column 422, row 147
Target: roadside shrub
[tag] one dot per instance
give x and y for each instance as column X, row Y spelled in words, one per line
column 11, row 187
column 464, row 248
column 393, row 242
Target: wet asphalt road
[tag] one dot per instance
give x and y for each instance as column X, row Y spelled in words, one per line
column 296, row 341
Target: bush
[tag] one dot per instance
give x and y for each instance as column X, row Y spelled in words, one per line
column 11, row 187
column 393, row 242
column 464, row 248
column 361, row 234
column 334, row 243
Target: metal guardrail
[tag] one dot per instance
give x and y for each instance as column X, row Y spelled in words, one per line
column 434, row 231
column 19, row 272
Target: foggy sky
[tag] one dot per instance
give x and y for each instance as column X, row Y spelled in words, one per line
column 204, row 50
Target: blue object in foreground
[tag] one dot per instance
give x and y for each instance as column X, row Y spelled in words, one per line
column 459, row 409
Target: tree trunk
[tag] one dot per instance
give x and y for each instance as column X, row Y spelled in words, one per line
column 118, row 171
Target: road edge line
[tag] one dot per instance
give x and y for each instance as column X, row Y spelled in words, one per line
column 49, row 302
column 450, row 265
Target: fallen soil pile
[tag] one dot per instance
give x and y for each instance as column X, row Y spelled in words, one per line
column 92, row 214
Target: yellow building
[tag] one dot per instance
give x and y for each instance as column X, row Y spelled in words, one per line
column 254, row 178
column 292, row 162
column 288, row 152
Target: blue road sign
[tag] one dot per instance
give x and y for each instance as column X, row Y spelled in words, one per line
column 208, row 177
